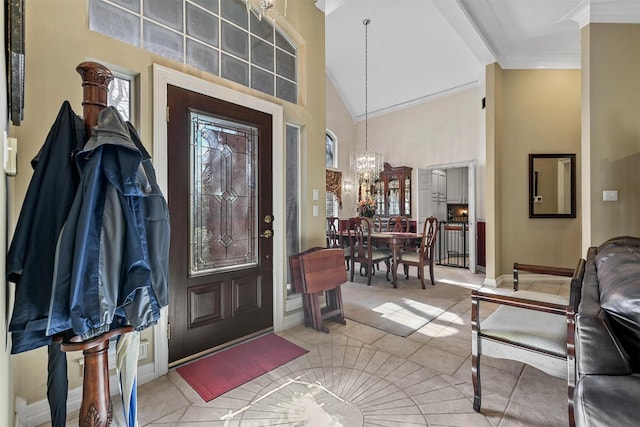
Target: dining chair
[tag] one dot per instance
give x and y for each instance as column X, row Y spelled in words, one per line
column 423, row 254
column 377, row 224
column 335, row 239
column 398, row 223
column 362, row 251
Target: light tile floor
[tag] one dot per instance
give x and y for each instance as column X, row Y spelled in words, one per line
column 361, row 376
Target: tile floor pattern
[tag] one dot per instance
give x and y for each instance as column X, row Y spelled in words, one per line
column 361, row 376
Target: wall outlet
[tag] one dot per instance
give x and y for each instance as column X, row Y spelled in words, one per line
column 315, row 210
column 610, row 195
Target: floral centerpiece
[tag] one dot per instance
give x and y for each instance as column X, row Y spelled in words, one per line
column 367, row 207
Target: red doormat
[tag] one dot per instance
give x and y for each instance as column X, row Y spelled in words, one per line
column 217, row 374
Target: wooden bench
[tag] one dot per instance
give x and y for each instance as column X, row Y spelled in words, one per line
column 316, row 272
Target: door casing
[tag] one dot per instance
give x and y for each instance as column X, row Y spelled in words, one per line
column 162, row 76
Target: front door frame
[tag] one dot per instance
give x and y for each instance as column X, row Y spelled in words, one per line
column 162, row 76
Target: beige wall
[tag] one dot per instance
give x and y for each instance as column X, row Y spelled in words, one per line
column 342, row 125
column 442, row 130
column 540, row 114
column 58, row 39
column 493, row 199
column 611, row 123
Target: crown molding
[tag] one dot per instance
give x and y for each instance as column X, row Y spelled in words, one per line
column 599, row 11
column 560, row 62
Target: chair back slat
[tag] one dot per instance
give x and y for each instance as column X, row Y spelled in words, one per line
column 334, row 240
column 398, row 224
column 429, row 237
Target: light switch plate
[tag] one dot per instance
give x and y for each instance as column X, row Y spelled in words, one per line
column 315, row 210
column 315, row 194
column 610, row 195
column 10, row 155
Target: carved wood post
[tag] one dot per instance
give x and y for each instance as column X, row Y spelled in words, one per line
column 95, row 82
column 96, row 409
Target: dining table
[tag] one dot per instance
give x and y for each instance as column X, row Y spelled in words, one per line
column 396, row 241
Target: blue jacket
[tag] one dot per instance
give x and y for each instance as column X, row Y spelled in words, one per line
column 103, row 276
column 30, row 260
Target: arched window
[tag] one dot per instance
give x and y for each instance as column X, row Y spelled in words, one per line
column 331, row 162
column 331, row 150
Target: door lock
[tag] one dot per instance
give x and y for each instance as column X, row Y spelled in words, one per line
column 268, row 219
column 267, row 234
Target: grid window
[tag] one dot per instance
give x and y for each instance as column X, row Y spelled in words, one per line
column 220, row 37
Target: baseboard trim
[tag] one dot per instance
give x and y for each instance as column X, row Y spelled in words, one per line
column 36, row 413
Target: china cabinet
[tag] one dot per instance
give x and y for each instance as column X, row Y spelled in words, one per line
column 393, row 191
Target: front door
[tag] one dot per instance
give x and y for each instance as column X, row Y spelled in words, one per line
column 220, row 202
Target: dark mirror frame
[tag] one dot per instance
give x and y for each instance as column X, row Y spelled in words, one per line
column 533, row 185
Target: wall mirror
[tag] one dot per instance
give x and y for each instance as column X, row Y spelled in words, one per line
column 552, row 185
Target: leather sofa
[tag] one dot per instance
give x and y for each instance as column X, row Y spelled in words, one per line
column 607, row 337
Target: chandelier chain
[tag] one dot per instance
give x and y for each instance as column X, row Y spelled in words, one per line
column 366, row 84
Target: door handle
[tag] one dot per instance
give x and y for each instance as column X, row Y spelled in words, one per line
column 267, row 234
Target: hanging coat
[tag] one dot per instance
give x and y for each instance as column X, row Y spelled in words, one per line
column 106, row 281
column 30, row 260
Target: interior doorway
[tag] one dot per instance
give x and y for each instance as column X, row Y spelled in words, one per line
column 457, row 236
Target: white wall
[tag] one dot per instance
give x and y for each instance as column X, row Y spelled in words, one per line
column 6, row 365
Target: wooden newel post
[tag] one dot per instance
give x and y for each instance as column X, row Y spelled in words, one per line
column 96, row 409
column 95, row 83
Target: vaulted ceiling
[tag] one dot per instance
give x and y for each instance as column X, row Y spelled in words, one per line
column 422, row 48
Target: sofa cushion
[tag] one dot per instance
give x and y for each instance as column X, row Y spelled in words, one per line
column 618, row 270
column 598, row 349
column 602, row 400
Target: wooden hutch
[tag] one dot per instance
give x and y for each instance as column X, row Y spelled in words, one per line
column 392, row 191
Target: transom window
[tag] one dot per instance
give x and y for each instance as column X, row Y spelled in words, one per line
column 217, row 36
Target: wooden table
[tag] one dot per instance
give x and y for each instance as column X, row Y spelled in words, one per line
column 318, row 271
column 395, row 240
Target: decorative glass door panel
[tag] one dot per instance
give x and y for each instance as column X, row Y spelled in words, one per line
column 394, row 196
column 407, row 195
column 223, row 195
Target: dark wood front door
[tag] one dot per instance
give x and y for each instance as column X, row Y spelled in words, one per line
column 220, row 202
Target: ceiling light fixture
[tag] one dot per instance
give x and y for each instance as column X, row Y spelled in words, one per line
column 366, row 165
column 266, row 8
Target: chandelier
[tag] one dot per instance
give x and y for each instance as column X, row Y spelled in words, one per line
column 366, row 165
column 265, row 8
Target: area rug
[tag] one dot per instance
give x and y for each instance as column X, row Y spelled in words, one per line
column 400, row 311
column 215, row 375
